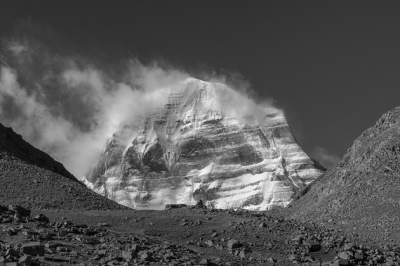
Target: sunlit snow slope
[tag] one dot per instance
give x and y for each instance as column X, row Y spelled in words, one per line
column 207, row 142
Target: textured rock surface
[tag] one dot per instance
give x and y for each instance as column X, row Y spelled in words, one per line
column 362, row 193
column 208, row 142
column 196, row 236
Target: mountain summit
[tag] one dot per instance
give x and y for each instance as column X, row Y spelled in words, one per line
column 207, row 142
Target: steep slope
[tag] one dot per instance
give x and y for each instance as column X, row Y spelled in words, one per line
column 13, row 144
column 31, row 178
column 362, row 193
column 207, row 143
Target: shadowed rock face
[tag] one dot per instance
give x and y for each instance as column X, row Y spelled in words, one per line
column 12, row 144
column 362, row 193
column 32, row 178
column 199, row 146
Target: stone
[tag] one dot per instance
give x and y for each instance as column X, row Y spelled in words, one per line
column 209, row 243
column 31, row 234
column 3, row 209
column 144, row 255
column 127, row 255
column 341, row 262
column 45, row 236
column 57, row 258
column 88, row 240
column 130, row 253
column 103, row 225
column 6, row 220
column 262, row 225
column 12, row 231
column 390, row 263
column 25, row 260
column 41, row 218
column 233, row 244
column 242, row 253
column 62, row 249
column 314, row 246
column 55, row 244
column 292, row 257
column 200, row 204
column 297, row 239
column 175, row 206
column 205, row 261
column 345, row 255
column 19, row 219
column 19, row 211
column 348, row 246
column 33, row 248
column 359, row 255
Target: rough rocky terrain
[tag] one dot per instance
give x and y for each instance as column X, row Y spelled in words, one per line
column 207, row 142
column 178, row 236
column 362, row 193
column 30, row 177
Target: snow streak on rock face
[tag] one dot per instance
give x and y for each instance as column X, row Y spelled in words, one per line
column 206, row 143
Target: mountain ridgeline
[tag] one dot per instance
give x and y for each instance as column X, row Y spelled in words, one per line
column 362, row 193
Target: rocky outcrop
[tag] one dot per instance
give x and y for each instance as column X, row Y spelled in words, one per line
column 206, row 143
column 361, row 194
column 27, row 240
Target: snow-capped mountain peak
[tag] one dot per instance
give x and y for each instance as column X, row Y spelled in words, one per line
column 208, row 142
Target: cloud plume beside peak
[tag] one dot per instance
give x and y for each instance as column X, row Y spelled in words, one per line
column 69, row 107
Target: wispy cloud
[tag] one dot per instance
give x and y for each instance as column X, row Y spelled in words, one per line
column 69, row 106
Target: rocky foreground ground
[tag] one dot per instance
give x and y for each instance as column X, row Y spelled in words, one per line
column 178, row 236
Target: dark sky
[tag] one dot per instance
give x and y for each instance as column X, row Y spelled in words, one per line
column 333, row 66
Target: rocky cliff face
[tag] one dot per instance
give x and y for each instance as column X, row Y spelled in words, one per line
column 361, row 194
column 204, row 144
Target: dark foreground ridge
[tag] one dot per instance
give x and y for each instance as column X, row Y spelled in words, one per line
column 179, row 236
column 361, row 194
column 31, row 178
column 13, row 145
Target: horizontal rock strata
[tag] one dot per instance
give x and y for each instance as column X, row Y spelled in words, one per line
column 203, row 144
